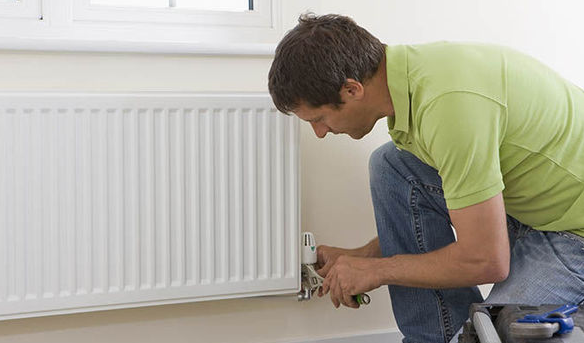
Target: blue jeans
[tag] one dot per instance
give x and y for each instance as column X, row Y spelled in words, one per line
column 412, row 218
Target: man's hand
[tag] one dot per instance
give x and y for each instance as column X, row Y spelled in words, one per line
column 327, row 256
column 350, row 276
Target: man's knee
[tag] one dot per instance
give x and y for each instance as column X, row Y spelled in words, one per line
column 380, row 159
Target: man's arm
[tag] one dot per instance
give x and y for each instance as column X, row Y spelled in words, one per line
column 480, row 255
column 371, row 249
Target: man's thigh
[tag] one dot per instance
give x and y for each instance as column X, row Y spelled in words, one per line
column 546, row 268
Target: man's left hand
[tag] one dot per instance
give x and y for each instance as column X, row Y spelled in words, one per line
column 351, row 276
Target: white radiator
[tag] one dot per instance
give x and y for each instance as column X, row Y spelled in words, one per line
column 125, row 200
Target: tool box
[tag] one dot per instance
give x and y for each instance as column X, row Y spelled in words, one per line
column 494, row 323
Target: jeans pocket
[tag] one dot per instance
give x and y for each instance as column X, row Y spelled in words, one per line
column 570, row 250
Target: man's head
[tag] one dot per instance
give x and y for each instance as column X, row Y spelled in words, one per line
column 320, row 72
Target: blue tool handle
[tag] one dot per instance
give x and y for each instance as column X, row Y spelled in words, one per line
column 565, row 310
column 559, row 312
column 561, row 315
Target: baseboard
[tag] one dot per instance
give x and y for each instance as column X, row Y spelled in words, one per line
column 393, row 336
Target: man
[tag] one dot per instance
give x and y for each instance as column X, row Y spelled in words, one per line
column 485, row 139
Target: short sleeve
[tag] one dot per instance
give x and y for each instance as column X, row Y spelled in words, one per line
column 461, row 131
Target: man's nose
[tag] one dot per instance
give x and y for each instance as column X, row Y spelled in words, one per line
column 320, row 129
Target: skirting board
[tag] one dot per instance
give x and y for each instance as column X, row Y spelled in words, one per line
column 393, row 336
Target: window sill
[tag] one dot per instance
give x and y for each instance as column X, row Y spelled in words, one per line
column 204, row 49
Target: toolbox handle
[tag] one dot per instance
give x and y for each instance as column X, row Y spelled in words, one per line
column 485, row 328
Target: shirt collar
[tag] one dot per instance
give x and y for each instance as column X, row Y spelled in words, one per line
column 397, row 81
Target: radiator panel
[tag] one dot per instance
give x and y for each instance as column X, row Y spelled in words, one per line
column 124, row 200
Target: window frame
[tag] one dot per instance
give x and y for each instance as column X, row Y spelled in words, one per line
column 75, row 25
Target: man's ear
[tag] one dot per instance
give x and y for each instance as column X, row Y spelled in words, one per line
column 352, row 90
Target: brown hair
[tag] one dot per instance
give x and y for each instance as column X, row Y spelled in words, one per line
column 314, row 60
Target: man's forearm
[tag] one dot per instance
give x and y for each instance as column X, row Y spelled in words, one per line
column 371, row 249
column 443, row 268
column 448, row 267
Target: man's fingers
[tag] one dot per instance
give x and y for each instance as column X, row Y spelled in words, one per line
column 349, row 301
column 331, row 283
column 331, row 286
column 325, row 286
column 335, row 297
column 320, row 253
column 335, row 301
column 324, row 270
column 345, row 299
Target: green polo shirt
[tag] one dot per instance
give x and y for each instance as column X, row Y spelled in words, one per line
column 490, row 120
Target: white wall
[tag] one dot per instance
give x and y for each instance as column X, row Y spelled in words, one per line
column 336, row 204
column 549, row 30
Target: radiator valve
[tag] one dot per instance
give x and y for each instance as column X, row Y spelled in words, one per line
column 310, row 279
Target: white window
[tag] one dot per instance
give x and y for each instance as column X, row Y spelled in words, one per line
column 224, row 5
column 24, row 9
column 205, row 26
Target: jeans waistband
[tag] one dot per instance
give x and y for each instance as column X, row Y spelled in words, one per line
column 572, row 236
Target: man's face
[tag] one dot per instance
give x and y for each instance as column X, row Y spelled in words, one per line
column 327, row 118
column 348, row 118
column 356, row 116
